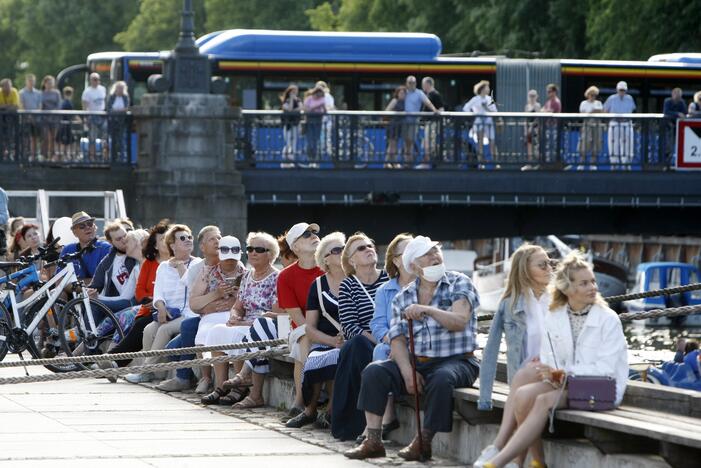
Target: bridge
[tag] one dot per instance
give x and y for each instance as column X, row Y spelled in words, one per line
column 364, row 173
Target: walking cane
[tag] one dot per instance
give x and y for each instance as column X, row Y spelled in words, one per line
column 412, row 358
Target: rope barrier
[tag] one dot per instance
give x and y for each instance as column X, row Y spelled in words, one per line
column 673, row 312
column 657, row 292
column 140, row 369
column 141, row 354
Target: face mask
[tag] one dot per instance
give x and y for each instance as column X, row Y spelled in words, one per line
column 433, row 273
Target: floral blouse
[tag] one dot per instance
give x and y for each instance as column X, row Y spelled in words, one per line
column 258, row 297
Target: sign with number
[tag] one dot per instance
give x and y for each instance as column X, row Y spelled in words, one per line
column 689, row 144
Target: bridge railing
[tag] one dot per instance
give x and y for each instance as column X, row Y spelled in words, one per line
column 66, row 138
column 392, row 140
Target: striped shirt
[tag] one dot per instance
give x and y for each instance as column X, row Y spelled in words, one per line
column 355, row 308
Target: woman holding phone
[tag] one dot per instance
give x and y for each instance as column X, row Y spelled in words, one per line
column 581, row 336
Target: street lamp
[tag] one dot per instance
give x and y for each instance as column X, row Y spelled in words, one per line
column 187, row 69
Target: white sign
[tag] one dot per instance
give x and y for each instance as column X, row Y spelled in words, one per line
column 689, row 144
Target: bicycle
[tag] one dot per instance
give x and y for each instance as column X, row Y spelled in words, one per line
column 24, row 325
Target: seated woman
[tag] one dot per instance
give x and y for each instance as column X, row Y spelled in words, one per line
column 519, row 317
column 587, row 339
column 323, row 330
column 257, row 298
column 356, row 305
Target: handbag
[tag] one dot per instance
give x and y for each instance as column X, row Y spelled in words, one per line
column 591, row 392
column 173, row 312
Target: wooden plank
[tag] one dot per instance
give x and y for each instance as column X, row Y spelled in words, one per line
column 660, row 398
column 619, row 442
column 663, row 417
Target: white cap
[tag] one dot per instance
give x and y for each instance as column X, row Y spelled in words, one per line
column 622, row 85
column 417, row 247
column 297, row 230
column 234, row 248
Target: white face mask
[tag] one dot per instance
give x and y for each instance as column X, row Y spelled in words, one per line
column 433, row 273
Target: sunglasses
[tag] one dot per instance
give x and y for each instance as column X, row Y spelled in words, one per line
column 308, row 234
column 185, row 237
column 334, row 251
column 226, row 250
column 259, row 250
column 363, row 248
column 85, row 225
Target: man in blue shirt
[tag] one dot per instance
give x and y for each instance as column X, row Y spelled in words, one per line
column 441, row 306
column 4, row 218
column 413, row 102
column 620, row 133
column 84, row 228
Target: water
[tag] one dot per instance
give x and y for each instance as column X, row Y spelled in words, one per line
column 647, row 344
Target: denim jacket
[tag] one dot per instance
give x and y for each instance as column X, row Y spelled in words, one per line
column 512, row 323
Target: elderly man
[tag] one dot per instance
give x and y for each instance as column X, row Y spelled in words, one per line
column 94, row 250
column 93, row 100
column 620, row 132
column 441, row 306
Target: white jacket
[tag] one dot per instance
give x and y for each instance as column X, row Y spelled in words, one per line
column 601, row 348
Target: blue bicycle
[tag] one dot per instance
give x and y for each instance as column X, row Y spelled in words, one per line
column 43, row 324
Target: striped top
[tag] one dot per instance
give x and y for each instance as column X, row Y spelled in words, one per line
column 355, row 308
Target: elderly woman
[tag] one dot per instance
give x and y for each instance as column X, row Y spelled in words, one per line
column 323, row 330
column 591, row 135
column 356, row 306
column 582, row 336
column 257, row 298
column 694, row 110
column 519, row 316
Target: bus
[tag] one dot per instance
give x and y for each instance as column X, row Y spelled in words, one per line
column 363, row 69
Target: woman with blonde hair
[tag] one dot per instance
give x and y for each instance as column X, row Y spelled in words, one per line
column 519, row 318
column 581, row 336
column 591, row 135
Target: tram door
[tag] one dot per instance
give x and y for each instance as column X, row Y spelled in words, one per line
column 515, row 77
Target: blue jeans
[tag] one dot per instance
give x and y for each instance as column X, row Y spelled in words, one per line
column 186, row 339
column 116, row 305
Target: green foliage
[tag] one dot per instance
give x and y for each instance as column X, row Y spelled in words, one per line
column 157, row 25
column 257, row 14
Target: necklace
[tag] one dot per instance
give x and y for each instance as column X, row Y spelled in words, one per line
column 583, row 311
column 259, row 276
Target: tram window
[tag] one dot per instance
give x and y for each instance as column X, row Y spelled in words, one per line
column 242, row 91
column 673, row 278
column 376, row 94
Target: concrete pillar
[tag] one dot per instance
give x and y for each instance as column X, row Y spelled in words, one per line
column 186, row 169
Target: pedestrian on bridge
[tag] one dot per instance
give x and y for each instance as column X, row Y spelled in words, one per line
column 620, row 132
column 4, row 218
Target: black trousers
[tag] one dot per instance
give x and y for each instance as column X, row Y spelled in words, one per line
column 133, row 341
column 441, row 377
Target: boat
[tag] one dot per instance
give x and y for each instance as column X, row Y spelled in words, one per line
column 659, row 275
column 685, row 374
column 490, row 278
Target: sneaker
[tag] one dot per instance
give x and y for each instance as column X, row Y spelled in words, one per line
column 302, row 419
column 294, row 411
column 423, row 166
column 489, row 452
column 323, row 421
column 203, row 387
column 174, row 385
column 139, row 378
column 106, row 365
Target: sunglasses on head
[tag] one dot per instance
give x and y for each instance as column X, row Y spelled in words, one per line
column 225, row 250
column 85, row 225
column 308, row 234
column 334, row 251
column 259, row 250
column 185, row 237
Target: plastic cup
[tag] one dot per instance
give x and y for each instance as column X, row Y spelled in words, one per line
column 558, row 375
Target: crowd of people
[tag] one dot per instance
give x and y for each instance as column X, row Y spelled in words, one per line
column 52, row 137
column 348, row 322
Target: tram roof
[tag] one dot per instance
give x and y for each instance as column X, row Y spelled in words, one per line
column 249, row 44
column 683, row 57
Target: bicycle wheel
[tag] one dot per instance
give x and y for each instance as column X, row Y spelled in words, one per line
column 44, row 341
column 4, row 330
column 74, row 330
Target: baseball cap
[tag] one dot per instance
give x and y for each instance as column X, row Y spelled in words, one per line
column 80, row 217
column 622, row 85
column 229, row 248
column 297, row 230
column 418, row 246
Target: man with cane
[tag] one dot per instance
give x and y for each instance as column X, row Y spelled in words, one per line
column 439, row 306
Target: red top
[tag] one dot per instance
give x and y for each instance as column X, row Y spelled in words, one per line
column 144, row 285
column 293, row 286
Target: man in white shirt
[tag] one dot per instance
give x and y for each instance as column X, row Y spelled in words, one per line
column 93, row 100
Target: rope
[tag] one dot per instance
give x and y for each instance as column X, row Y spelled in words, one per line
column 673, row 312
column 140, row 369
column 142, row 354
column 657, row 292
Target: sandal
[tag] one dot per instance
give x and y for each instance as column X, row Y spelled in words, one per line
column 214, row 397
column 236, row 382
column 234, row 396
column 248, row 403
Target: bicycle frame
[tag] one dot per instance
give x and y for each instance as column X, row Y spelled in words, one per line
column 29, row 276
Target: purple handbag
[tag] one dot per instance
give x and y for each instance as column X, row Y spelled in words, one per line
column 591, row 392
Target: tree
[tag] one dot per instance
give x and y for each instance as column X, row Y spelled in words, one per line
column 157, row 25
column 254, row 14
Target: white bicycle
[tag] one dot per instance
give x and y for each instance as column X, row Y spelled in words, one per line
column 43, row 324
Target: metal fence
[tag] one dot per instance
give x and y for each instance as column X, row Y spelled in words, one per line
column 516, row 141
column 66, row 138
